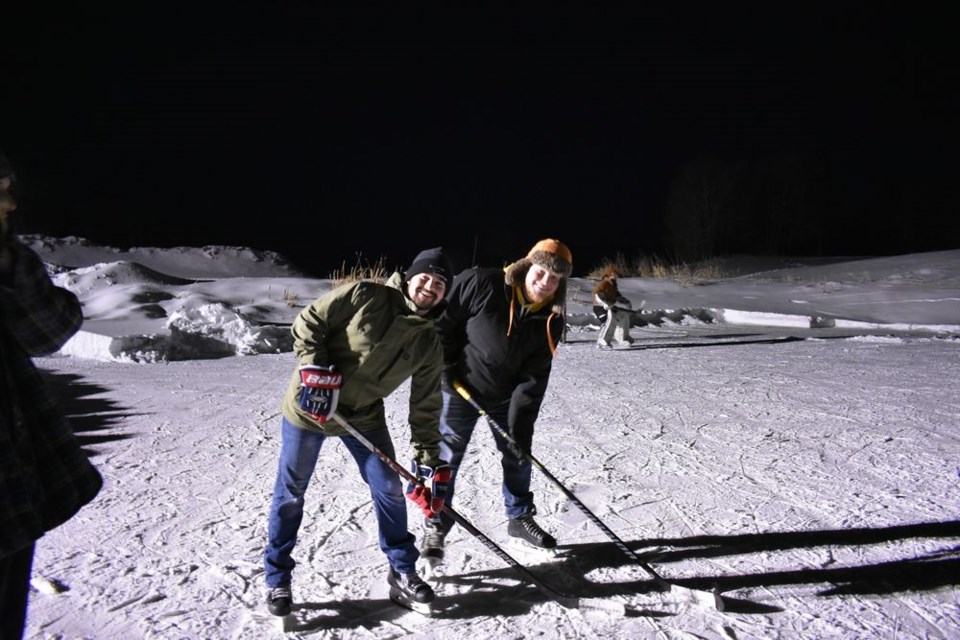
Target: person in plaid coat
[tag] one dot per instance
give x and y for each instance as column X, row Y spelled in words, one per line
column 45, row 477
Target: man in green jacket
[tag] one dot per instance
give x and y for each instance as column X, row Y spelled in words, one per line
column 355, row 346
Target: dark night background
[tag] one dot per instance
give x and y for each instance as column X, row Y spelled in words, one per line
column 322, row 133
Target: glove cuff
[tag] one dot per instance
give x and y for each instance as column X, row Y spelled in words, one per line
column 426, row 472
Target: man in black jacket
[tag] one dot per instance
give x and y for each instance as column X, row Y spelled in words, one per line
column 499, row 335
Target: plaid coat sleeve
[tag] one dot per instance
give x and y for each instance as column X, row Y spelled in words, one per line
column 45, row 476
column 39, row 316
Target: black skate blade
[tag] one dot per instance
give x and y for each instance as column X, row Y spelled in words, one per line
column 432, row 560
column 532, row 553
column 432, row 557
column 400, row 598
column 653, row 554
column 432, row 568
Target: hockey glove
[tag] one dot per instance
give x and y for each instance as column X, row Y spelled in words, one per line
column 430, row 491
column 517, row 450
column 447, row 380
column 319, row 390
column 520, row 447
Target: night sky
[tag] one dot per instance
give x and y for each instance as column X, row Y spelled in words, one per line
column 325, row 134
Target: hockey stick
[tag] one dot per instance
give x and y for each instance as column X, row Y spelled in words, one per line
column 662, row 583
column 570, row 602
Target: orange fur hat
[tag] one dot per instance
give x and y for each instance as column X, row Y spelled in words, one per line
column 549, row 254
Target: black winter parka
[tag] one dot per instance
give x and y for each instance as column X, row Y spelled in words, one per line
column 497, row 358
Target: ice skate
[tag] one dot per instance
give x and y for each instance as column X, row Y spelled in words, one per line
column 410, row 591
column 527, row 537
column 432, row 549
column 279, row 600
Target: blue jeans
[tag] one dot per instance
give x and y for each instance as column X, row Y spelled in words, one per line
column 457, row 421
column 299, row 451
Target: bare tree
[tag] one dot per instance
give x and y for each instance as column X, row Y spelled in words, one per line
column 695, row 205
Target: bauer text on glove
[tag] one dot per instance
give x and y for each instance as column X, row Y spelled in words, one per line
column 319, row 390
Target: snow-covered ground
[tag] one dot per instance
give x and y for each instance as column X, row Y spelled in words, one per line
column 813, row 481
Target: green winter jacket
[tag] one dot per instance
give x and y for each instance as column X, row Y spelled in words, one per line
column 374, row 337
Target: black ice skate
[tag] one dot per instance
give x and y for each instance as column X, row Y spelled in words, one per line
column 527, row 529
column 408, row 590
column 432, row 549
column 279, row 600
column 527, row 537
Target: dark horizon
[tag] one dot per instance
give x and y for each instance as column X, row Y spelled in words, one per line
column 323, row 134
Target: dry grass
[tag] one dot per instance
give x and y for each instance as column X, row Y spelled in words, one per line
column 361, row 270
column 291, row 298
column 654, row 267
column 642, row 266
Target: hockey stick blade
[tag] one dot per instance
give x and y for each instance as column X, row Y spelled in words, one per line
column 707, row 599
column 611, row 607
column 704, row 598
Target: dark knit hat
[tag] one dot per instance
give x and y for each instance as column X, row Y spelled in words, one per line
column 6, row 169
column 433, row 261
